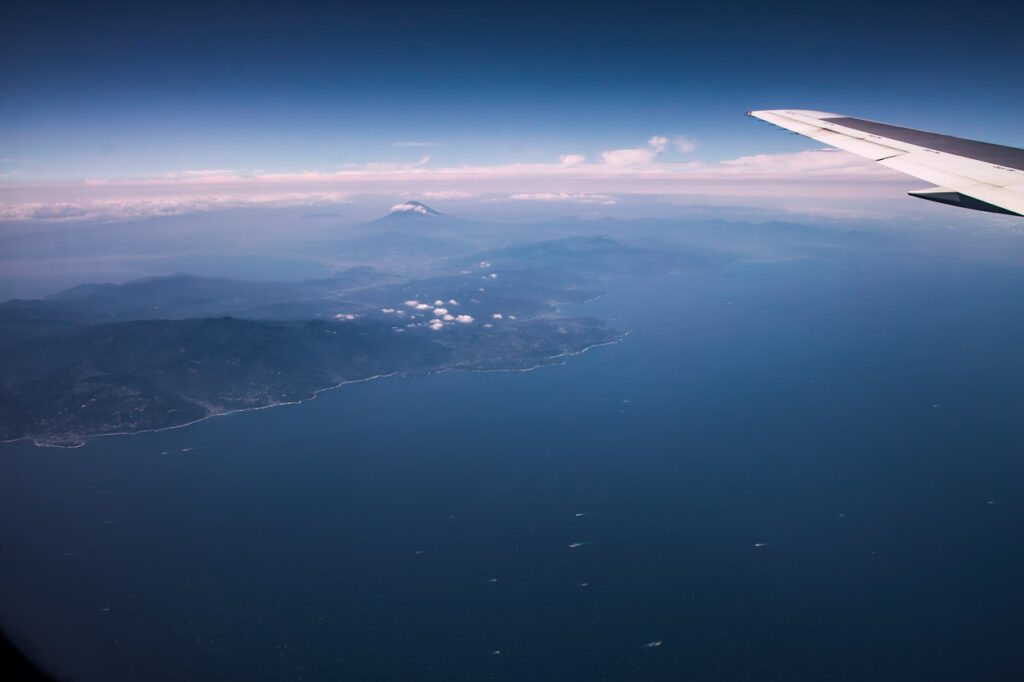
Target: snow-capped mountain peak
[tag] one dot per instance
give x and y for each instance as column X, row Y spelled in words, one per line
column 413, row 207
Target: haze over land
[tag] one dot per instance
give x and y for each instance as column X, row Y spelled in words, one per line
column 164, row 352
column 412, row 292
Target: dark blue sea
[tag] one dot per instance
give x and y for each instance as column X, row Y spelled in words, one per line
column 807, row 470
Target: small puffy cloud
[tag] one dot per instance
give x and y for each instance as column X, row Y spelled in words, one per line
column 436, row 324
column 572, row 159
column 387, row 310
column 447, row 317
column 484, row 264
column 464, row 319
column 658, row 143
column 412, row 303
column 438, row 302
column 683, row 144
column 452, row 301
column 493, row 276
column 344, row 316
column 423, row 306
column 438, row 312
column 641, row 156
column 488, row 325
column 496, row 316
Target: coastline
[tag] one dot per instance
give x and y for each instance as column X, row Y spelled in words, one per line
column 550, row 361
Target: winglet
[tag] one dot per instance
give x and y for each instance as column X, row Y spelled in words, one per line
column 944, row 195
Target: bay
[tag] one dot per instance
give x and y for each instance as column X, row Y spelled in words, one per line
column 806, row 469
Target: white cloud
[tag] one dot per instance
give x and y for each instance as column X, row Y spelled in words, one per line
column 464, row 319
column 624, row 158
column 450, row 194
column 641, row 156
column 496, row 316
column 386, row 166
column 149, row 206
column 436, row 324
column 438, row 302
column 447, row 318
column 412, row 303
column 452, row 301
column 572, row 159
column 563, row 196
column 683, row 144
column 422, row 306
column 203, row 173
column 817, row 161
column 438, row 312
column 387, row 310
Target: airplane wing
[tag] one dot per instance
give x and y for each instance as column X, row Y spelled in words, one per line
column 978, row 175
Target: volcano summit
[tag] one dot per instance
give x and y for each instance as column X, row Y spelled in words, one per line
column 413, row 208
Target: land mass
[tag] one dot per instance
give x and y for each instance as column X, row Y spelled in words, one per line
column 154, row 374
column 167, row 351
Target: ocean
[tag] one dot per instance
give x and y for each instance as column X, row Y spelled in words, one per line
column 797, row 470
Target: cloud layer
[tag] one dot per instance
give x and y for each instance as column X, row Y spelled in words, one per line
column 630, row 171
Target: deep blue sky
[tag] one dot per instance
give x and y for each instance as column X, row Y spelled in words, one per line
column 129, row 89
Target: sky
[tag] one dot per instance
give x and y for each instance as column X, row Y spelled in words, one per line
column 191, row 106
